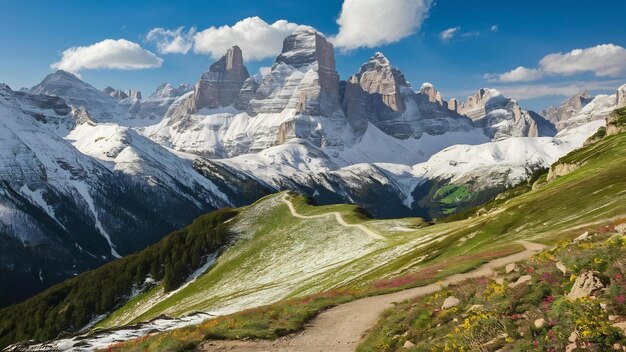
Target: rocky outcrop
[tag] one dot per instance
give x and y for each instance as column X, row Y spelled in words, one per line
column 568, row 108
column 561, row 169
column 303, row 79
column 616, row 122
column 620, row 99
column 246, row 93
column 221, row 84
column 587, row 284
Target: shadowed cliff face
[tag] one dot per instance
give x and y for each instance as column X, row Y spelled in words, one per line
column 221, row 84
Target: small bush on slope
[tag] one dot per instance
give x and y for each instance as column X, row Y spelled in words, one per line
column 71, row 305
column 494, row 316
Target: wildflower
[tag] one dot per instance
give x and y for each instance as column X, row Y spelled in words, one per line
column 618, row 277
column 621, row 299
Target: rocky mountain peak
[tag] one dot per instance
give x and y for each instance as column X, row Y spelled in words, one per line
column 166, row 90
column 381, row 58
column 220, row 85
column 434, row 96
column 58, row 82
column 316, row 93
column 568, row 108
column 307, row 46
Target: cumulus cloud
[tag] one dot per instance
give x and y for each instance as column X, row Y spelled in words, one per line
column 530, row 91
column 175, row 41
column 256, row 38
column 371, row 23
column 603, row 60
column 494, row 28
column 448, row 34
column 118, row 54
column 520, row 74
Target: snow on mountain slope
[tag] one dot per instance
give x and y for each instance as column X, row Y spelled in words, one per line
column 377, row 147
column 123, row 149
column 597, row 109
column 75, row 92
column 63, row 211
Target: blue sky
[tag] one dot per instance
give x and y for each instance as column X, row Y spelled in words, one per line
column 35, row 34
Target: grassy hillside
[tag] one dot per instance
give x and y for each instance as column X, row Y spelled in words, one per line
column 590, row 197
column 71, row 305
column 493, row 314
column 282, row 256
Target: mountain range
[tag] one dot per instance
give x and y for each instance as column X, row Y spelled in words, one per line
column 88, row 176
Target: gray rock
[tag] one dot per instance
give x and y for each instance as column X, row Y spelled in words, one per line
column 510, row 268
column 562, row 268
column 408, row 344
column 585, row 285
column 520, row 281
column 221, row 84
column 621, row 96
column 450, row 302
column 539, row 323
column 585, row 236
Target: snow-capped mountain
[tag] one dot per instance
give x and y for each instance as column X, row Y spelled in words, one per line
column 580, row 109
column 151, row 110
column 502, row 117
column 75, row 193
column 88, row 175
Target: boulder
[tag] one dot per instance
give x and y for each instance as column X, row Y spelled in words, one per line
column 562, row 268
column 539, row 323
column 582, row 238
column 510, row 268
column 450, row 302
column 408, row 344
column 585, row 285
column 522, row 280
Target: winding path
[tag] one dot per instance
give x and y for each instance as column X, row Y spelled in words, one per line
column 341, row 328
column 337, row 215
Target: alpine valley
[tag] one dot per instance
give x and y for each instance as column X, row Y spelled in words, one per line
column 403, row 181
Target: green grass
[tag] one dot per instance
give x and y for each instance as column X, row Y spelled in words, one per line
column 588, row 198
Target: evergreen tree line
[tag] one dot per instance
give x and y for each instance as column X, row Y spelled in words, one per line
column 69, row 306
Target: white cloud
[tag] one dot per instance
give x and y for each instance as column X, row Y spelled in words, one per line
column 494, row 28
column 530, row 91
column 371, row 23
column 172, row 41
column 603, row 60
column 256, row 38
column 118, row 54
column 520, row 74
column 448, row 34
